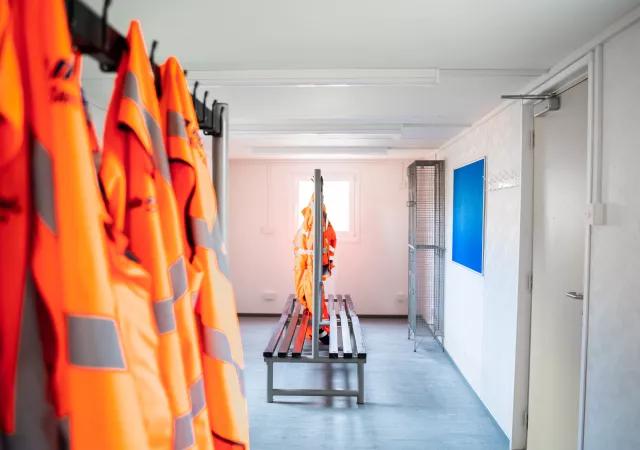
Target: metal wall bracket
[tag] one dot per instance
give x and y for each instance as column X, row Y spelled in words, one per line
column 545, row 102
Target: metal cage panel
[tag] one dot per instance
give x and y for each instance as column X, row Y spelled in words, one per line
column 426, row 248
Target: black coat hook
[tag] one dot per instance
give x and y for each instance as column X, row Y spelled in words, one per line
column 194, row 98
column 152, row 54
column 204, row 108
column 105, row 21
column 212, row 124
column 105, row 42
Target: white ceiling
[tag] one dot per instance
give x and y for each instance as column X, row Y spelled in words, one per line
column 478, row 49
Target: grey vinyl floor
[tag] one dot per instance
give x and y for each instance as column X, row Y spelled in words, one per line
column 413, row 400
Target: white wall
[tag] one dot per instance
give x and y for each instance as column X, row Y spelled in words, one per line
column 481, row 310
column 486, row 317
column 373, row 267
column 613, row 371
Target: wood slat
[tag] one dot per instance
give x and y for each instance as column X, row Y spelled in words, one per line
column 277, row 331
column 301, row 335
column 333, row 328
column 347, row 352
column 285, row 343
column 357, row 330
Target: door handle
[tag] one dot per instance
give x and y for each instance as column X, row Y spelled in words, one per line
column 575, row 295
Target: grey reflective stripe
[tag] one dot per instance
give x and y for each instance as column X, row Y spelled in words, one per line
column 178, row 277
column 176, row 125
column 35, row 422
column 165, row 315
column 216, row 346
column 196, row 394
column 43, row 187
column 211, row 239
column 94, row 343
column 183, row 432
column 132, row 91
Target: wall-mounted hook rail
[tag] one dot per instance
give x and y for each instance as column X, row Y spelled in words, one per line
column 93, row 35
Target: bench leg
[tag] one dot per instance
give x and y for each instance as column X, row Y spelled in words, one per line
column 269, row 381
column 360, row 383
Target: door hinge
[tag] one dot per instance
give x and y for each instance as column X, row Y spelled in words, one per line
column 530, row 283
column 525, row 418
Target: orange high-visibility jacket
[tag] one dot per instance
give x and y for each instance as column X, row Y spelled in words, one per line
column 303, row 259
column 134, row 168
column 303, row 263
column 94, row 388
column 132, row 285
column 174, row 127
column 14, row 244
column 330, row 243
column 215, row 306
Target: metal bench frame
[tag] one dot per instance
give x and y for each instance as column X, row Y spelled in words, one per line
column 287, row 345
column 288, row 326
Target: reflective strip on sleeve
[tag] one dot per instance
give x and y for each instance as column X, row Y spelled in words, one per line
column 196, row 394
column 216, row 346
column 183, row 432
column 210, row 239
column 165, row 315
column 43, row 187
column 132, row 92
column 176, row 125
column 302, row 251
column 178, row 277
column 93, row 342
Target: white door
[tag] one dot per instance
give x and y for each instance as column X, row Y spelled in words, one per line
column 560, row 183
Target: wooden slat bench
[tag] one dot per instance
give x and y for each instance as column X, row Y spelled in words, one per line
column 346, row 344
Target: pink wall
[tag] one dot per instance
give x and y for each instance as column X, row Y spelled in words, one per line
column 372, row 266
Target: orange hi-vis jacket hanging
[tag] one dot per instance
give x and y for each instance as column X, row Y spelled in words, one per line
column 92, row 385
column 303, row 259
column 303, row 253
column 131, row 285
column 174, row 128
column 15, row 219
column 215, row 305
column 134, row 168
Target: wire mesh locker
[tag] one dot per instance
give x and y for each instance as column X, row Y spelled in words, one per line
column 426, row 249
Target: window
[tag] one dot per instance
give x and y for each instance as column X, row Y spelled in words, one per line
column 338, row 199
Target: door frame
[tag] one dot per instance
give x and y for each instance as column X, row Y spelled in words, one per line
column 590, row 65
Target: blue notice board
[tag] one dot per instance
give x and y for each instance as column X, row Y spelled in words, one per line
column 468, row 215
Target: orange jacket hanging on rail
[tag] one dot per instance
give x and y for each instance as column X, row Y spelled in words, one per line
column 93, row 386
column 303, row 254
column 16, row 313
column 131, row 285
column 330, row 242
column 303, row 261
column 215, row 306
column 134, row 173
column 175, row 139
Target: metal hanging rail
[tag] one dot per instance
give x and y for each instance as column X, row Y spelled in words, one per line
column 317, row 261
column 94, row 36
